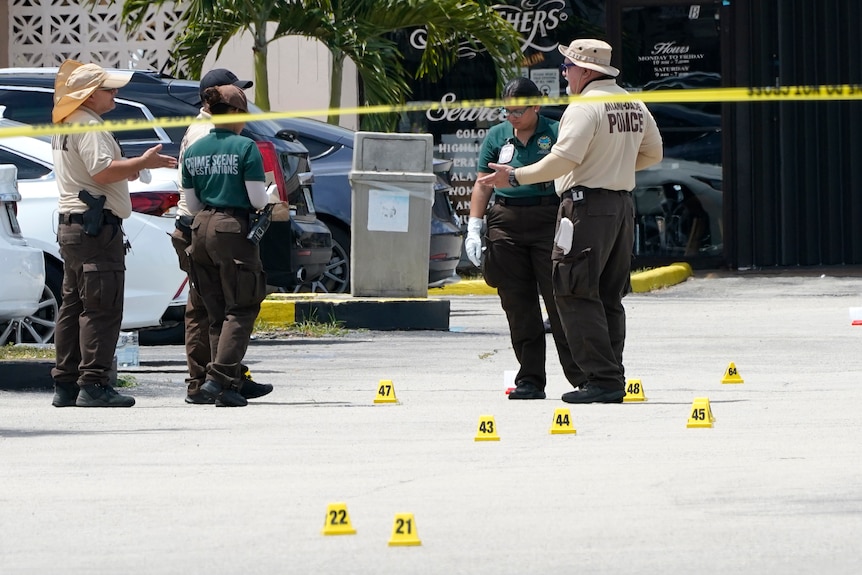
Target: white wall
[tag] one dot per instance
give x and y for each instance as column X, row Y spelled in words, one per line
column 298, row 67
column 298, row 75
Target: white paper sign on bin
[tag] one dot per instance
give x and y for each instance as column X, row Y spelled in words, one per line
column 388, row 211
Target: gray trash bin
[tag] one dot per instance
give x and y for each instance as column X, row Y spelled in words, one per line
column 393, row 191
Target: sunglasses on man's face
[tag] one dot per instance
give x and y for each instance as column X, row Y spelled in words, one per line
column 564, row 67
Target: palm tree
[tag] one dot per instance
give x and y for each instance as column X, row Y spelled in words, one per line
column 361, row 30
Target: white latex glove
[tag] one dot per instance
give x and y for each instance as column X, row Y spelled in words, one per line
column 473, row 243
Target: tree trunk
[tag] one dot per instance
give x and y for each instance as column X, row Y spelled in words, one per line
column 336, row 76
column 261, row 74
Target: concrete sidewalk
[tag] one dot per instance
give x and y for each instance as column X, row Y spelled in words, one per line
column 164, row 487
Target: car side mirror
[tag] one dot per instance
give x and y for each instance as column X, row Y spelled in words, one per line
column 289, row 135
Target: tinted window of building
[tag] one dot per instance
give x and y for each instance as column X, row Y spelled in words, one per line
column 679, row 203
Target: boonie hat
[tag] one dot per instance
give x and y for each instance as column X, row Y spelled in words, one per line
column 233, row 97
column 222, row 77
column 592, row 54
column 75, row 83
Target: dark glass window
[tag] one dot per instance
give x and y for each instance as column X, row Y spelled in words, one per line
column 127, row 112
column 27, row 169
column 27, row 106
column 679, row 202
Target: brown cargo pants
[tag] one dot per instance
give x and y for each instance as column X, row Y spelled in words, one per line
column 197, row 324
column 88, row 325
column 227, row 273
column 591, row 280
column 518, row 264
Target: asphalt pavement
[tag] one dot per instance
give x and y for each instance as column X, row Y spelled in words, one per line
column 774, row 486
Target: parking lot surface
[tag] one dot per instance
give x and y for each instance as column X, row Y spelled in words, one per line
column 775, row 486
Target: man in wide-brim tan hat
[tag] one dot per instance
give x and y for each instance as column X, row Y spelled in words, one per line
column 599, row 148
column 92, row 177
column 76, row 82
column 591, row 54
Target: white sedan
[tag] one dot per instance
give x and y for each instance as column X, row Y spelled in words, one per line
column 24, row 267
column 155, row 285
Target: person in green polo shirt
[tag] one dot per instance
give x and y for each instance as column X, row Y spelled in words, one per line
column 223, row 182
column 519, row 239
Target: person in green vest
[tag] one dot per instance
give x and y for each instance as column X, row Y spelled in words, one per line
column 223, row 182
column 197, row 323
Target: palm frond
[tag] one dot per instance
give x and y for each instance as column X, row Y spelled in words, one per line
column 362, row 30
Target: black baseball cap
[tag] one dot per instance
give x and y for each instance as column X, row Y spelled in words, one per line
column 222, row 77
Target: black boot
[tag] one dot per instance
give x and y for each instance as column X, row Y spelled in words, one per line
column 251, row 389
column 98, row 395
column 223, row 397
column 65, row 394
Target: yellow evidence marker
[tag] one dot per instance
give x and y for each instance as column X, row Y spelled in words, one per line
column 562, row 421
column 404, row 531
column 701, row 413
column 385, row 392
column 337, row 520
column 487, row 429
column 732, row 375
column 634, row 391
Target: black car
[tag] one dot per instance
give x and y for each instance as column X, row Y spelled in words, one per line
column 149, row 96
column 295, row 252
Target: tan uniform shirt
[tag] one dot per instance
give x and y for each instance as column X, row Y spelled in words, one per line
column 78, row 156
column 604, row 138
column 194, row 133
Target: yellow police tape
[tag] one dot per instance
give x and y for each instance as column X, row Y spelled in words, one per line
column 705, row 95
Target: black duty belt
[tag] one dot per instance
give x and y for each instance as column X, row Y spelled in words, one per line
column 110, row 218
column 578, row 192
column 548, row 200
column 236, row 212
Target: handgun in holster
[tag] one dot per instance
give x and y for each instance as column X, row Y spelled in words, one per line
column 94, row 217
column 193, row 276
column 258, row 223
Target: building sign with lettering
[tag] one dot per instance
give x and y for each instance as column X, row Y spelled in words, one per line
column 665, row 42
column 668, row 58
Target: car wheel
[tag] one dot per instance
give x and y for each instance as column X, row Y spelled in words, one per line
column 689, row 227
column 336, row 277
column 39, row 327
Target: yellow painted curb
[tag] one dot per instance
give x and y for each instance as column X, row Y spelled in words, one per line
column 464, row 287
column 280, row 311
column 660, row 277
column 641, row 282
